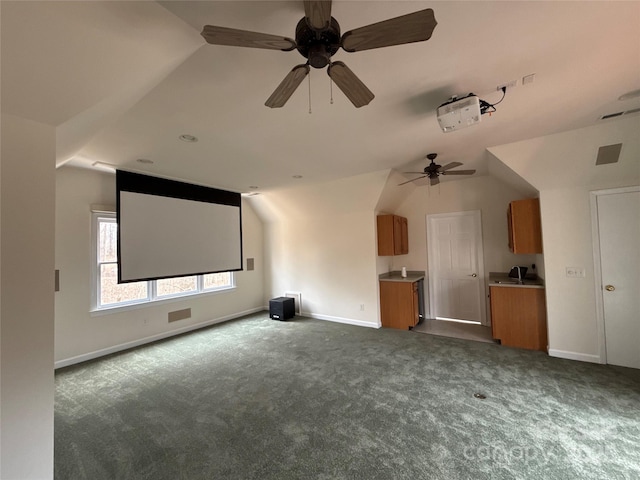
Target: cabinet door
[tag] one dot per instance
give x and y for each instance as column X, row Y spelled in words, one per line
column 525, row 229
column 397, row 307
column 510, row 224
column 404, row 236
column 385, row 234
column 393, row 238
column 397, row 235
column 400, row 236
column 518, row 317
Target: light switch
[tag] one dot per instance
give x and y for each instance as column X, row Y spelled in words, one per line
column 575, row 272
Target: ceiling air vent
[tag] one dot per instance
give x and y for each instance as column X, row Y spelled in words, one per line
column 618, row 114
column 611, row 115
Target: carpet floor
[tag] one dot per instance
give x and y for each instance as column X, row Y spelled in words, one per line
column 256, row 398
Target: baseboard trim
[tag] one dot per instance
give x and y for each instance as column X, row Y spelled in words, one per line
column 581, row 357
column 153, row 338
column 348, row 321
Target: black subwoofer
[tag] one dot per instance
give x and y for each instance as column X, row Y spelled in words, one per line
column 282, row 308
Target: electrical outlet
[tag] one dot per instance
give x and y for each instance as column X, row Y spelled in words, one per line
column 507, row 85
column 575, row 272
column 362, row 307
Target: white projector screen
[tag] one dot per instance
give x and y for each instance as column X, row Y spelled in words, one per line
column 173, row 229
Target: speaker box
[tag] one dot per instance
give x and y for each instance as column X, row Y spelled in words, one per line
column 281, row 308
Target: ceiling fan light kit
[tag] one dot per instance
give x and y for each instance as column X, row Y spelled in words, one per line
column 318, row 39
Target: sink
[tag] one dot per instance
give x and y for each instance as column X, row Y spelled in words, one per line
column 509, row 282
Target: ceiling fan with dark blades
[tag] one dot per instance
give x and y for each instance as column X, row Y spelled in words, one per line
column 433, row 171
column 318, row 39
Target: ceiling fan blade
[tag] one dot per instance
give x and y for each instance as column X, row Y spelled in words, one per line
column 449, row 166
column 414, row 173
column 351, row 86
column 244, row 38
column 414, row 27
column 459, row 172
column 434, row 180
column 286, row 88
column 318, row 13
column 412, row 180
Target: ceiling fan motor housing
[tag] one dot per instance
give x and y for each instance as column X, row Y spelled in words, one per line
column 317, row 46
column 432, row 169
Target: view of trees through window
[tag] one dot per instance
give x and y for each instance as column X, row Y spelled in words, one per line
column 110, row 293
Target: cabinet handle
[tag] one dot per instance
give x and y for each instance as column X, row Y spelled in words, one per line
column 609, row 288
column 473, row 275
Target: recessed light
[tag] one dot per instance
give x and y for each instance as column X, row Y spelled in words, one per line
column 297, row 177
column 630, row 95
column 146, row 161
column 188, row 138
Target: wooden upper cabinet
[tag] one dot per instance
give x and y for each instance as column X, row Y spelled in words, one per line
column 393, row 237
column 525, row 230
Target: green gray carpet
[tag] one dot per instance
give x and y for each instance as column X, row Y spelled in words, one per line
column 306, row 399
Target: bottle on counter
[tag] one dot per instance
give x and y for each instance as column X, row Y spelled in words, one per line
column 403, row 273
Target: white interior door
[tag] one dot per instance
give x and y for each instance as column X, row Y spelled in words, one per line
column 619, row 238
column 456, row 266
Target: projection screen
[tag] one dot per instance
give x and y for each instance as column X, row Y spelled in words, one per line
column 169, row 229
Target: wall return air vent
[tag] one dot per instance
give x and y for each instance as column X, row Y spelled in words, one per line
column 608, row 154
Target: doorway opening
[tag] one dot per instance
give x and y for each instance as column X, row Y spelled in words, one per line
column 455, row 329
column 457, row 300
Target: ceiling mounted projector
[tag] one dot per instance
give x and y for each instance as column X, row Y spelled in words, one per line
column 459, row 113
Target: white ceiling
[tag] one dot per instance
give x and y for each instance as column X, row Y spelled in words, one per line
column 122, row 80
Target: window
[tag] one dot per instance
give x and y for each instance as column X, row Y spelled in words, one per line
column 107, row 293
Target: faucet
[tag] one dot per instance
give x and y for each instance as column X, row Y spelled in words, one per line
column 519, row 275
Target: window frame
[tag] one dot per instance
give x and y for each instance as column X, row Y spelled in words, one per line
column 152, row 289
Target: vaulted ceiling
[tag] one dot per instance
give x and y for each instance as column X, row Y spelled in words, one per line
column 121, row 81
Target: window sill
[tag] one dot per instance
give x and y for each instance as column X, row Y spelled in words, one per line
column 99, row 312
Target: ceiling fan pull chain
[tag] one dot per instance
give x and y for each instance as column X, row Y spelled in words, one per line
column 309, row 94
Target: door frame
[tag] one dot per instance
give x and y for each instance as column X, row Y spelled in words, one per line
column 477, row 215
column 597, row 266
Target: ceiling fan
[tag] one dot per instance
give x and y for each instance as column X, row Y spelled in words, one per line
column 433, row 170
column 318, row 39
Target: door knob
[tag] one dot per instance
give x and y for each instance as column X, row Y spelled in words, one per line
column 609, row 288
column 473, row 275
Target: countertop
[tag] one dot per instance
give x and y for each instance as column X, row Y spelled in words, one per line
column 395, row 276
column 502, row 279
column 496, row 279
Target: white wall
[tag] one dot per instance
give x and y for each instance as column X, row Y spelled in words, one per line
column 321, row 241
column 484, row 193
column 79, row 334
column 26, row 299
column 562, row 166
